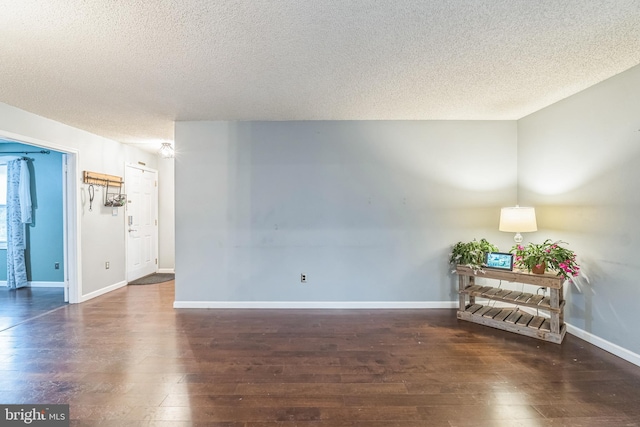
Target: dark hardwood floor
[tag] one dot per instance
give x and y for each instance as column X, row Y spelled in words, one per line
column 18, row 305
column 129, row 359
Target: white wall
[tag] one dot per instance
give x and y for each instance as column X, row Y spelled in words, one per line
column 578, row 165
column 166, row 214
column 368, row 210
column 102, row 235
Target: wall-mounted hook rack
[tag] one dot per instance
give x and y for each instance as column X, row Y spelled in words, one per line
column 102, row 179
column 111, row 199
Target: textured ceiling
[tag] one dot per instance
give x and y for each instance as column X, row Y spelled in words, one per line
column 127, row 69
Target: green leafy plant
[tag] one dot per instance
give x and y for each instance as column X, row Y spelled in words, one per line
column 471, row 254
column 550, row 253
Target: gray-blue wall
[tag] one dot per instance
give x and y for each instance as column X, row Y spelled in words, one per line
column 578, row 165
column 367, row 209
column 45, row 244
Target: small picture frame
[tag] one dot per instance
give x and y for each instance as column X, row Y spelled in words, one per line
column 499, row 260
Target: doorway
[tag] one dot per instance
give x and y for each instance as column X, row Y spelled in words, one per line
column 70, row 228
column 142, row 221
column 46, row 259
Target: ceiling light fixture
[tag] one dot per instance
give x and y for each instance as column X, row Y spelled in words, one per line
column 167, row 151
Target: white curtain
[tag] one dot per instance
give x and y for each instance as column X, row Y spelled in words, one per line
column 18, row 214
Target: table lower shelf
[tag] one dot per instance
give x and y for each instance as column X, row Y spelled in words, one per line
column 512, row 320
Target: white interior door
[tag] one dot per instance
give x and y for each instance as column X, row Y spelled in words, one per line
column 141, row 221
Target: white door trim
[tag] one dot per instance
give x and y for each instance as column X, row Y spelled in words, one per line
column 126, row 227
column 71, row 211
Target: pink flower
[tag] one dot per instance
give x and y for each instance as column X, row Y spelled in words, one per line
column 538, row 265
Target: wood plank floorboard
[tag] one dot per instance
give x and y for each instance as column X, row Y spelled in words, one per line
column 18, row 305
column 129, row 359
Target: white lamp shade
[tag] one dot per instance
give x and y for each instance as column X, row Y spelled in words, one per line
column 518, row 219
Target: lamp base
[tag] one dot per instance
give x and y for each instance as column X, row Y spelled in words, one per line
column 518, row 238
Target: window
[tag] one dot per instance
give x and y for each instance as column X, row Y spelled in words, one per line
column 3, row 206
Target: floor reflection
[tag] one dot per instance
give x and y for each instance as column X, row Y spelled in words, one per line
column 18, row 305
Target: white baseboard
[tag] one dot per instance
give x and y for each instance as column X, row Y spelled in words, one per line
column 612, row 348
column 102, row 291
column 316, row 304
column 46, row 284
column 166, row 270
column 38, row 284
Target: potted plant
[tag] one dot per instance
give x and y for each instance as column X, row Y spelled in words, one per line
column 547, row 255
column 471, row 254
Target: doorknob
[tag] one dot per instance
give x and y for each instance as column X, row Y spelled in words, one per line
column 132, row 229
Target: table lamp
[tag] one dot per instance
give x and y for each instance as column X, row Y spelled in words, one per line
column 518, row 220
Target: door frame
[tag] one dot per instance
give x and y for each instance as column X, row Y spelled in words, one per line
column 155, row 213
column 71, row 213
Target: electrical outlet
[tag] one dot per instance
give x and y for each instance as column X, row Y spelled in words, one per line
column 56, row 266
column 106, row 265
column 303, row 278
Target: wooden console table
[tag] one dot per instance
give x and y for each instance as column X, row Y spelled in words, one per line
column 511, row 318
